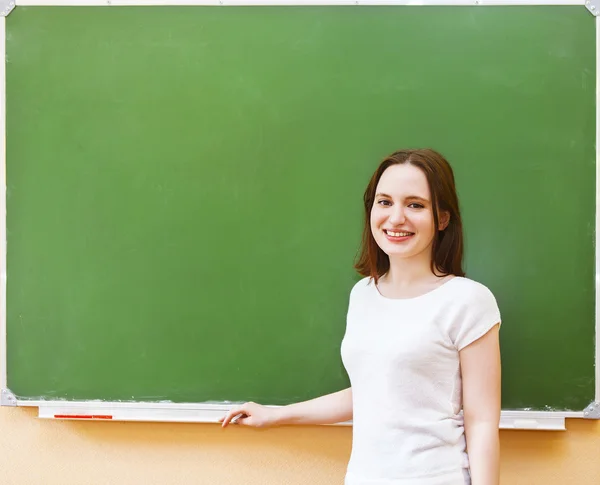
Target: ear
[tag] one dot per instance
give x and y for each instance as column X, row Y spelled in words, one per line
column 443, row 220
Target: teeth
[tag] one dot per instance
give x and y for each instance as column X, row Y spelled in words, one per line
column 398, row 234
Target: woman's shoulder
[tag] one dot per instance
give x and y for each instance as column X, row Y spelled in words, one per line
column 362, row 285
column 471, row 290
column 470, row 285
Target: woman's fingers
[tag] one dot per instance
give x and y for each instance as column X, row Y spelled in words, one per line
column 225, row 420
column 244, row 419
column 240, row 411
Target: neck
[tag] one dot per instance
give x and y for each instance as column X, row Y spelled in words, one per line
column 406, row 272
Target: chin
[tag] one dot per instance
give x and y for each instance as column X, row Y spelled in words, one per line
column 401, row 253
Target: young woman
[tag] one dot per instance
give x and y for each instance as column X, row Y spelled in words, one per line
column 421, row 345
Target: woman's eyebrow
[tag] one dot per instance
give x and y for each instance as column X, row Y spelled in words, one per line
column 410, row 197
column 416, row 197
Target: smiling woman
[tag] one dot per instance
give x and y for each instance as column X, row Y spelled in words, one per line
column 412, row 187
column 421, row 346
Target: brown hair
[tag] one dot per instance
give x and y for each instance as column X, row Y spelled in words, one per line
column 447, row 248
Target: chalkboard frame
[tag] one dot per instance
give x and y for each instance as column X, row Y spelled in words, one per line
column 203, row 412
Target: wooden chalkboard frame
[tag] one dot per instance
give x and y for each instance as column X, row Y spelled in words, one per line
column 202, row 412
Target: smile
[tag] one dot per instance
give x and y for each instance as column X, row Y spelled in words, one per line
column 398, row 234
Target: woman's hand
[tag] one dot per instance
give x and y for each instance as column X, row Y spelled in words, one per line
column 328, row 409
column 251, row 414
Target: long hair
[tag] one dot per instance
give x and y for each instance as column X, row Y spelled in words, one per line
column 447, row 247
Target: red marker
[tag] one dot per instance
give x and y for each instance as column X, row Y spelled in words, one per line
column 82, row 416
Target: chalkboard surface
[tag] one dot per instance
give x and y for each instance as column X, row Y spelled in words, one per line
column 184, row 190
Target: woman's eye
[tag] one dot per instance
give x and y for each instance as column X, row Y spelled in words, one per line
column 415, row 205
column 384, row 202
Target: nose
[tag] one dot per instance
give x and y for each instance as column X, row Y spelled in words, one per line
column 397, row 217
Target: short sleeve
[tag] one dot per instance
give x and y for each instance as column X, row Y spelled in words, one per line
column 478, row 315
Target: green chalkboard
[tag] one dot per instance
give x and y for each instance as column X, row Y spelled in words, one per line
column 184, row 190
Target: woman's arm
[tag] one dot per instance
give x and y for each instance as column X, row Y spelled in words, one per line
column 480, row 368
column 328, row 409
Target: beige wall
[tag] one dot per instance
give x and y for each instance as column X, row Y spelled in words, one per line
column 35, row 451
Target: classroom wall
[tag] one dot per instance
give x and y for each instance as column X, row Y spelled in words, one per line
column 36, row 451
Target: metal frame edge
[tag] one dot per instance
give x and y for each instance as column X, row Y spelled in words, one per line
column 593, row 6
column 592, row 411
column 509, row 419
column 210, row 413
column 3, row 192
column 6, row 7
column 7, row 398
column 439, row 3
column 597, row 236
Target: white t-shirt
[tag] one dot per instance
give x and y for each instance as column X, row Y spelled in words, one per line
column 402, row 359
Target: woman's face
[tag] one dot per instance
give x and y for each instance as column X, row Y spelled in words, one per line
column 402, row 215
